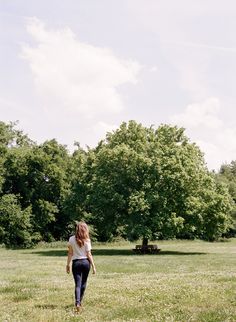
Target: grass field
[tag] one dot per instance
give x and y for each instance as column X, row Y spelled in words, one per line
column 187, row 281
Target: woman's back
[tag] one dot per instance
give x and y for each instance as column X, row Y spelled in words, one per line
column 79, row 252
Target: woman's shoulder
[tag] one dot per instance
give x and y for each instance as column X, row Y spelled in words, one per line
column 72, row 239
column 87, row 241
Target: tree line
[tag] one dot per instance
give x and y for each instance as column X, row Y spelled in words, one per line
column 138, row 182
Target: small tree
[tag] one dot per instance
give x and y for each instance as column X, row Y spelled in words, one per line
column 16, row 229
column 227, row 176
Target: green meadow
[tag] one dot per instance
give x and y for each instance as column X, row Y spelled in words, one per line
column 186, row 281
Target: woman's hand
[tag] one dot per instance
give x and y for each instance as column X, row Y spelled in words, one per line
column 68, row 269
column 94, row 270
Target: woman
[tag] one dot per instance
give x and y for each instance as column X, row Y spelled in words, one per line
column 79, row 251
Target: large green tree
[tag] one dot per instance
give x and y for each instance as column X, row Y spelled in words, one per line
column 147, row 183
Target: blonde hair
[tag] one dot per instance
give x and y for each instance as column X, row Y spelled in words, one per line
column 81, row 233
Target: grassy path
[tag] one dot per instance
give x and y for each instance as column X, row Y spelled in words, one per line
column 187, row 281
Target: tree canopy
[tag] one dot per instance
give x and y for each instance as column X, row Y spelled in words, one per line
column 139, row 182
column 146, row 183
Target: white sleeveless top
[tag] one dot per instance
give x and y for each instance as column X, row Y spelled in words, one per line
column 79, row 252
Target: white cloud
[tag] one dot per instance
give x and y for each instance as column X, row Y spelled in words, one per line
column 200, row 114
column 227, row 140
column 101, row 128
column 205, row 127
column 76, row 76
column 212, row 154
column 219, row 152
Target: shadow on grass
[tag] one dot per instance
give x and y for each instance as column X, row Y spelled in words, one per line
column 56, row 253
column 52, row 306
column 46, row 306
column 115, row 252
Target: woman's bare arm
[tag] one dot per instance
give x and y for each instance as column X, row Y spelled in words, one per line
column 69, row 257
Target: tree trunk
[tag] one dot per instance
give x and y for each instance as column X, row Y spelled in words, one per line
column 145, row 241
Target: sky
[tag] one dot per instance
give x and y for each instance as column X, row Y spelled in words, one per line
column 74, row 69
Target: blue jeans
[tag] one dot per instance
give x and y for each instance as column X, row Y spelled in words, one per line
column 80, row 270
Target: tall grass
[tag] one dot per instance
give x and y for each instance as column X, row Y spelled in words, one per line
column 186, row 281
